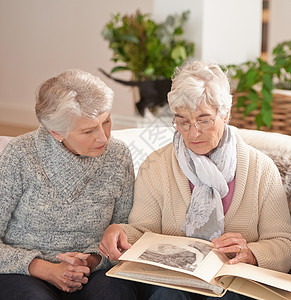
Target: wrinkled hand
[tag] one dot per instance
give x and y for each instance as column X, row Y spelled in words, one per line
column 72, row 271
column 114, row 242
column 69, row 275
column 235, row 246
column 82, row 259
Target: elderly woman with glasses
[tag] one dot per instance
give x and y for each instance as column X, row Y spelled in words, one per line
column 208, row 184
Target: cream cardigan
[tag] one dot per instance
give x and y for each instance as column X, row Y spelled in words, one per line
column 258, row 210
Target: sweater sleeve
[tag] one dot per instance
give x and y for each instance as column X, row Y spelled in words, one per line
column 146, row 213
column 12, row 259
column 272, row 250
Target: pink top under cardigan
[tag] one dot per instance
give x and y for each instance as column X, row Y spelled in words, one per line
column 226, row 201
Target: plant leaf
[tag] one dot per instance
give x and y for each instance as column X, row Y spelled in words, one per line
column 251, row 77
column 241, row 101
column 268, row 81
column 267, row 117
column 253, row 96
column 179, row 53
column 259, row 120
column 250, row 107
column 267, row 95
column 119, row 68
column 129, row 38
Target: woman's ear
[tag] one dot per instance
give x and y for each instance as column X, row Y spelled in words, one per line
column 58, row 137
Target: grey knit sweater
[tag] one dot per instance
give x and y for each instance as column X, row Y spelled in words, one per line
column 52, row 201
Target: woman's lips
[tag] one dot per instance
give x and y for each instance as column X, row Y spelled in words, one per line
column 196, row 143
column 101, row 147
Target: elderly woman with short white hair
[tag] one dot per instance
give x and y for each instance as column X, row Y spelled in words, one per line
column 208, row 184
column 60, row 187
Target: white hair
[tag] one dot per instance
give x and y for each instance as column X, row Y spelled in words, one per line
column 198, row 82
column 71, row 94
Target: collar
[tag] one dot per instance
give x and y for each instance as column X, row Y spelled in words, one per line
column 67, row 172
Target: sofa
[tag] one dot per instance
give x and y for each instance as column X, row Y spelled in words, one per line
column 143, row 141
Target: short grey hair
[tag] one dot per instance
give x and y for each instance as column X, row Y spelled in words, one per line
column 71, row 94
column 197, row 82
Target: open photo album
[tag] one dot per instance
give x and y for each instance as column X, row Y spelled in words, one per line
column 193, row 265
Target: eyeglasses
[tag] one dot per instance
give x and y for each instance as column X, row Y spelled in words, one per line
column 200, row 125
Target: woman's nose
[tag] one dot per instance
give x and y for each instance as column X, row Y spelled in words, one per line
column 101, row 136
column 194, row 131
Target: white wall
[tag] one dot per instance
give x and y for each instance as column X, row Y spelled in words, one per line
column 279, row 23
column 41, row 38
column 224, row 31
column 232, row 30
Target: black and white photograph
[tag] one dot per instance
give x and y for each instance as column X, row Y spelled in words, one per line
column 187, row 257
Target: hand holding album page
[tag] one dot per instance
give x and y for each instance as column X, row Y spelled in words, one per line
column 194, row 265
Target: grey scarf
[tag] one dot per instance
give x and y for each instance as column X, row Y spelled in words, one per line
column 210, row 175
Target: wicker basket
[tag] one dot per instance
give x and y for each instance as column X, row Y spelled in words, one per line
column 281, row 114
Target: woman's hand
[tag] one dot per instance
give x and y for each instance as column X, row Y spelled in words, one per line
column 114, row 242
column 235, row 246
column 76, row 261
column 82, row 259
column 68, row 277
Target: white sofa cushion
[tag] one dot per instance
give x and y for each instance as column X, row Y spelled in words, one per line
column 143, row 141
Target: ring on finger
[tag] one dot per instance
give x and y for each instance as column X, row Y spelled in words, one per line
column 239, row 250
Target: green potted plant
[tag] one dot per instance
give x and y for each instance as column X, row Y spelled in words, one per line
column 256, row 83
column 150, row 50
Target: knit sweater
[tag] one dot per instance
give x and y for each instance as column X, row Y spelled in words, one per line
column 52, row 201
column 258, row 209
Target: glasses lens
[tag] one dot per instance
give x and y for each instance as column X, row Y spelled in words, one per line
column 205, row 124
column 185, row 126
column 181, row 125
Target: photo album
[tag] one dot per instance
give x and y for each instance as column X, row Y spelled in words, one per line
column 193, row 265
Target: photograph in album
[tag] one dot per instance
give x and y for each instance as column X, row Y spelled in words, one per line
column 186, row 257
column 193, row 265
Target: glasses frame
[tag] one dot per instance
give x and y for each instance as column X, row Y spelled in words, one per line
column 196, row 124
